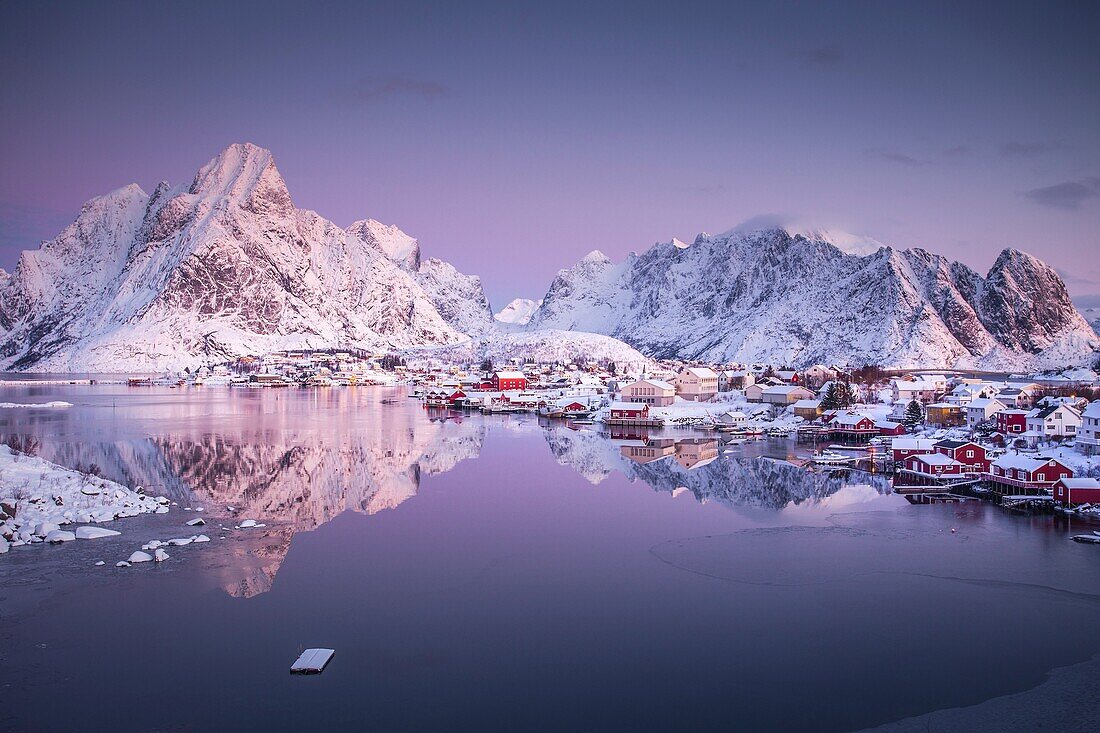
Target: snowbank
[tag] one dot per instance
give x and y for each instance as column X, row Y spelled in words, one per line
column 38, row 497
column 16, row 405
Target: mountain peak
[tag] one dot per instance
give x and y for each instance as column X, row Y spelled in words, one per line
column 242, row 172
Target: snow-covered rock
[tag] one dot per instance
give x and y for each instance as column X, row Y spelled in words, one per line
column 140, row 556
column 197, row 522
column 59, row 535
column 160, row 555
column 773, row 296
column 223, row 267
column 518, row 312
column 93, row 533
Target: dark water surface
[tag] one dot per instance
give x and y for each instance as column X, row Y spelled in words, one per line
column 497, row 574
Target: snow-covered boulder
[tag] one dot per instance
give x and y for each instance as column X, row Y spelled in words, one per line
column 94, row 533
column 59, row 535
column 141, row 557
column 160, row 555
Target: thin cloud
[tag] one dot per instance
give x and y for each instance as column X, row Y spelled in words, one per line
column 376, row 88
column 823, row 55
column 1028, row 149
column 893, row 156
column 959, row 151
column 705, row 188
column 1068, row 195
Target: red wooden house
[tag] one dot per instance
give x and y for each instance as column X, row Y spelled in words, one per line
column 902, row 448
column 509, row 380
column 629, row 411
column 934, row 465
column 1018, row 474
column 1011, row 422
column 1077, row 491
column 971, row 455
column 890, row 428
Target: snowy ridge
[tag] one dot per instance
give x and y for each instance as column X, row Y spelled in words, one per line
column 772, row 296
column 225, row 267
column 518, row 312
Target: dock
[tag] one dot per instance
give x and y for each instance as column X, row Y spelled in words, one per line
column 312, row 661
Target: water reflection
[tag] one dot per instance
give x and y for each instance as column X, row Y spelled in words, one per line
column 294, row 467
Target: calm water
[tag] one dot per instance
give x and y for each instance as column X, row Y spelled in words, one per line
column 497, row 574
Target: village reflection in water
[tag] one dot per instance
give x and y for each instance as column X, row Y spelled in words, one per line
column 295, row 468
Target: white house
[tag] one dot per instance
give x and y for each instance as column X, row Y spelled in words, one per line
column 1088, row 436
column 981, row 409
column 1054, row 421
column 919, row 390
column 697, row 383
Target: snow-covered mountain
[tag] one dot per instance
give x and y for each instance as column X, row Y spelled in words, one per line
column 228, row 266
column 770, row 295
column 223, row 267
column 518, row 312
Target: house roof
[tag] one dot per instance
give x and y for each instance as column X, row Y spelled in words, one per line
column 951, row 443
column 912, row 444
column 1027, row 463
column 785, row 389
column 850, row 418
column 1093, row 409
column 935, row 459
column 658, row 383
column 807, row 404
column 510, row 375
column 1080, row 483
column 628, row 406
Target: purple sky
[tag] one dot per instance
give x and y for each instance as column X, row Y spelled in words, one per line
column 512, row 140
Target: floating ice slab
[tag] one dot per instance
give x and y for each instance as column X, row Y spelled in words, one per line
column 198, row 522
column 312, row 661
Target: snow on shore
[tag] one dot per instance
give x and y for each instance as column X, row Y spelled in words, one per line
column 38, row 497
column 26, row 405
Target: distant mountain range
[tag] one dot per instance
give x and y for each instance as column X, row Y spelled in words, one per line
column 782, row 297
column 228, row 266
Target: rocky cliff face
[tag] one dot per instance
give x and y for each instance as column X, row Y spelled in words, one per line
column 778, row 297
column 223, row 267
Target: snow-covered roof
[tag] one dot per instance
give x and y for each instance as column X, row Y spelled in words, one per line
column 985, row 403
column 658, row 383
column 785, row 389
column 628, row 406
column 1027, row 463
column 912, row 444
column 935, row 459
column 850, row 418
column 702, row 372
column 807, row 404
column 510, row 375
column 1081, row 483
column 1093, row 409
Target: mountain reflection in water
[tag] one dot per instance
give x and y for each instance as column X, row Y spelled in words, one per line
column 297, row 471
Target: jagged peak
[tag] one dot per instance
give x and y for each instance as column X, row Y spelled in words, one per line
column 237, row 172
column 596, row 256
column 398, row 246
column 1010, row 258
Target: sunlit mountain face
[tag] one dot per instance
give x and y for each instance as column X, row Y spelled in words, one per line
column 296, row 461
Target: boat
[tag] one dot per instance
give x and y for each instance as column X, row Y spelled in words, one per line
column 831, row 458
column 1091, row 539
column 584, row 421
